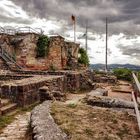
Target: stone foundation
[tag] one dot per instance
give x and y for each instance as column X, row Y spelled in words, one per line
column 26, row 91
column 105, row 79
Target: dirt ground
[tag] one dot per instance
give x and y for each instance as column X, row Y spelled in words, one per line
column 83, row 122
column 123, row 86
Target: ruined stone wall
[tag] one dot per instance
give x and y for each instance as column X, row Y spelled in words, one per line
column 82, row 80
column 6, row 43
column 25, row 91
column 73, row 48
column 23, row 48
column 26, row 52
column 71, row 54
column 55, row 52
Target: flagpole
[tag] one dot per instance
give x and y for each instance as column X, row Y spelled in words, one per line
column 106, row 61
column 86, row 42
column 74, row 31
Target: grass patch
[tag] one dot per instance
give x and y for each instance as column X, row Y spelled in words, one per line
column 72, row 105
column 5, row 120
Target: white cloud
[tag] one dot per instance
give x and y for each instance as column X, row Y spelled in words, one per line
column 13, row 15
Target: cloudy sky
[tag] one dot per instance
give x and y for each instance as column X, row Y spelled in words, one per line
column 54, row 17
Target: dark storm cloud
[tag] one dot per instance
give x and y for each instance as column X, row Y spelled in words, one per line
column 121, row 13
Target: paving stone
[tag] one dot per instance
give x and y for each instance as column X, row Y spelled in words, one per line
column 17, row 129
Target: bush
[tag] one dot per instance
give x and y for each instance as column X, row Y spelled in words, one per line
column 83, row 59
column 123, row 74
column 42, row 46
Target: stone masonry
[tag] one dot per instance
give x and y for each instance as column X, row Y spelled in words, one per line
column 25, row 91
column 22, row 47
column 17, row 129
column 43, row 124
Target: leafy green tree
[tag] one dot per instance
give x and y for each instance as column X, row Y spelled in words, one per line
column 42, row 46
column 123, row 74
column 83, row 59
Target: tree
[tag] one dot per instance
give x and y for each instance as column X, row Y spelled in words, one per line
column 123, row 74
column 83, row 59
column 42, row 46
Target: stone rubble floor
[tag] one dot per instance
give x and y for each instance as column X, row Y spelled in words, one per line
column 17, row 129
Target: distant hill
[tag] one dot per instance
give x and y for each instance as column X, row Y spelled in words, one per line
column 114, row 66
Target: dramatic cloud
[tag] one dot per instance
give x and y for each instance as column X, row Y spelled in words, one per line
column 121, row 13
column 53, row 16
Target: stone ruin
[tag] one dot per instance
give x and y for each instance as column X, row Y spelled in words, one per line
column 25, row 79
column 22, row 48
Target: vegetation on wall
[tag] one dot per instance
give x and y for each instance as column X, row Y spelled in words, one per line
column 42, row 46
column 123, row 74
column 83, row 59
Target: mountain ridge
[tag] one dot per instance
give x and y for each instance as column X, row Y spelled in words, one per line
column 114, row 66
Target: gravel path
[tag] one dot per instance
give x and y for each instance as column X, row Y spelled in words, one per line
column 17, row 129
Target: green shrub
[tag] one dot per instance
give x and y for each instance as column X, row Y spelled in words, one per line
column 123, row 74
column 83, row 59
column 42, row 46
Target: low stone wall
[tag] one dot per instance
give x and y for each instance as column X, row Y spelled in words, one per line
column 82, row 80
column 105, row 79
column 25, row 91
column 43, row 125
column 76, row 80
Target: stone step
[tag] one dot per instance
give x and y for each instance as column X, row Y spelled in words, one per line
column 5, row 102
column 8, row 108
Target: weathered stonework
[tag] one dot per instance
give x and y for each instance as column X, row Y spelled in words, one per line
column 25, row 91
column 23, row 48
column 105, row 79
column 43, row 124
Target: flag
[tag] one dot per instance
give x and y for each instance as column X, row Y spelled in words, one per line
column 73, row 18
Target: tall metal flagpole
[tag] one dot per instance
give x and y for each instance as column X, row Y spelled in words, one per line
column 86, row 41
column 74, row 30
column 106, row 61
